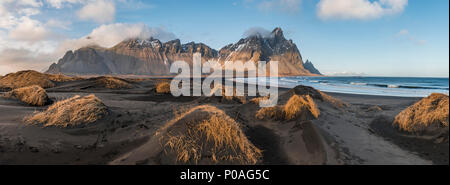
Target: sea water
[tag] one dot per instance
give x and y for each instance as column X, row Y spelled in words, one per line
column 384, row 86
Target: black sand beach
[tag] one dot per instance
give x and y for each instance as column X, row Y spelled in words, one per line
column 357, row 134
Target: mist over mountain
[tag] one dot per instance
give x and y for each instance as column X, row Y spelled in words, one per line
column 153, row 57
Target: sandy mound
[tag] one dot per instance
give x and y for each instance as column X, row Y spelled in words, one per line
column 426, row 116
column 62, row 78
column 315, row 94
column 32, row 95
column 208, row 136
column 71, row 112
column 202, row 135
column 163, row 88
column 270, row 113
column 301, row 107
column 110, row 82
column 298, row 107
column 25, row 79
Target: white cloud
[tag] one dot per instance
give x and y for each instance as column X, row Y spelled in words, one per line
column 29, row 11
column 8, row 21
column 101, row 11
column 54, row 23
column 21, row 59
column 111, row 34
column 11, row 11
column 359, row 9
column 28, row 30
column 404, row 34
column 33, row 3
column 257, row 31
column 60, row 3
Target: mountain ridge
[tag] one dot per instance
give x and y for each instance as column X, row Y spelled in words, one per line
column 153, row 57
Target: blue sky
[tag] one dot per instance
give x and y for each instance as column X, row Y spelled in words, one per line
column 376, row 37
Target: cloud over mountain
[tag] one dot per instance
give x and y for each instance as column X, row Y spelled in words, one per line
column 101, row 11
column 358, row 9
column 110, row 34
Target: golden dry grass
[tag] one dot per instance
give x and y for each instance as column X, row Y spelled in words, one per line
column 32, row 95
column 110, row 82
column 268, row 113
column 258, row 99
column 70, row 112
column 62, row 78
column 301, row 107
column 315, row 94
column 431, row 111
column 163, row 87
column 207, row 133
column 25, row 79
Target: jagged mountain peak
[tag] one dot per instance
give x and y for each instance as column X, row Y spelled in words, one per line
column 152, row 57
column 277, row 33
column 310, row 67
column 139, row 43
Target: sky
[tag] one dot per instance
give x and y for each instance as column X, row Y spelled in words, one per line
column 341, row 37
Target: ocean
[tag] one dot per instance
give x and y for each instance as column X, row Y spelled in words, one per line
column 384, row 86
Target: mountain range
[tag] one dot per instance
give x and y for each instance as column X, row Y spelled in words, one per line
column 153, row 57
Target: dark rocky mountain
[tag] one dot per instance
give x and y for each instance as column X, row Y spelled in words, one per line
column 310, row 67
column 133, row 56
column 152, row 57
column 273, row 47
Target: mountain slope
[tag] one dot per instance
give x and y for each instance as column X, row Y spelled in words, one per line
column 310, row 67
column 273, row 47
column 152, row 57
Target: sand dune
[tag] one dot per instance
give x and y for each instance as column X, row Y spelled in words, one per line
column 202, row 135
column 33, row 95
column 145, row 127
column 163, row 87
column 427, row 116
column 71, row 112
column 24, row 79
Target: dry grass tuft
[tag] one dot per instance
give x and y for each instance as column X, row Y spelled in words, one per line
column 315, row 94
column 25, row 79
column 429, row 113
column 110, row 82
column 301, row 107
column 71, row 112
column 32, row 95
column 163, row 87
column 62, row 78
column 207, row 135
column 269, row 113
column 258, row 99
